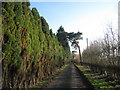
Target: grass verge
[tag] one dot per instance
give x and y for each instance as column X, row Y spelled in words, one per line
column 99, row 80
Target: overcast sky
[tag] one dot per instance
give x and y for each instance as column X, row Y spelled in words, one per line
column 90, row 18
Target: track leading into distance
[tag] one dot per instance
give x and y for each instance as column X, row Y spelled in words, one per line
column 70, row 77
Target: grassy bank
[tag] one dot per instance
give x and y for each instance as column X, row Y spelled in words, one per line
column 99, row 80
column 46, row 81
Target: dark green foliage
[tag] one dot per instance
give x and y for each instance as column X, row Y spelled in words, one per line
column 73, row 38
column 30, row 51
column 62, row 38
column 45, row 27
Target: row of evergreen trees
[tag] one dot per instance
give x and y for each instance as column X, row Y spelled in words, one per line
column 30, row 50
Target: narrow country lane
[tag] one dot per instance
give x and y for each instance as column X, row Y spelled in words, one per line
column 68, row 78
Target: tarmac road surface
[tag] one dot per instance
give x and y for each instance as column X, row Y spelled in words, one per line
column 68, row 78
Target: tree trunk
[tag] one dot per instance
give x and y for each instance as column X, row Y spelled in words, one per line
column 80, row 54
